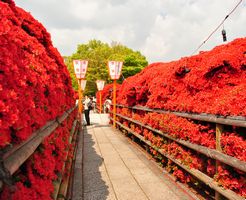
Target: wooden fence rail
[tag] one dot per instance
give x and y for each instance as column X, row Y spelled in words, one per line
column 232, row 121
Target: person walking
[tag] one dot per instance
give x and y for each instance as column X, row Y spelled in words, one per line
column 94, row 104
column 87, row 106
column 107, row 105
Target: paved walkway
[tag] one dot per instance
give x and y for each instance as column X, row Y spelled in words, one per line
column 115, row 169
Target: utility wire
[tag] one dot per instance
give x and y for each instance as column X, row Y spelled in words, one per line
column 216, row 28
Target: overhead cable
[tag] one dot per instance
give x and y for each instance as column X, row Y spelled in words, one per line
column 217, row 28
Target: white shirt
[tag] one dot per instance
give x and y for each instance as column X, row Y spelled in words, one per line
column 86, row 101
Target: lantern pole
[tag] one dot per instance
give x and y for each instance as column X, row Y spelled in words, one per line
column 80, row 68
column 114, row 68
column 82, row 84
column 100, row 85
column 114, row 103
column 100, row 93
column 80, row 97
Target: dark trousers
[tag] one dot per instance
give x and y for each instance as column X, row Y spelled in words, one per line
column 87, row 117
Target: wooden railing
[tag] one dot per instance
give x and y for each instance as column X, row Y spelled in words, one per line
column 233, row 121
column 16, row 156
column 61, row 185
column 215, row 154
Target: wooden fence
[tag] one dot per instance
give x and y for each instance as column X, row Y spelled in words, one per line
column 215, row 154
column 13, row 159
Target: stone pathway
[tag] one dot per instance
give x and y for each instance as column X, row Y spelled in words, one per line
column 114, row 169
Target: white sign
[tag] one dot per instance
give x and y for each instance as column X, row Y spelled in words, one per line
column 100, row 84
column 115, row 69
column 80, row 68
column 82, row 84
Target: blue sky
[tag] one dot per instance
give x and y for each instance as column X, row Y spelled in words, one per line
column 162, row 30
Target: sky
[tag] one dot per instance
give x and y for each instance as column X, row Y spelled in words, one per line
column 162, row 30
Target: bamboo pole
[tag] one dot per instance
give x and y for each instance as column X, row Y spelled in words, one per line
column 196, row 173
column 233, row 121
column 13, row 161
column 35, row 134
column 16, row 147
column 211, row 153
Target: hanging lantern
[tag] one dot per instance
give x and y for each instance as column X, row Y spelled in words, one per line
column 224, row 35
column 80, row 68
column 100, row 84
column 114, row 68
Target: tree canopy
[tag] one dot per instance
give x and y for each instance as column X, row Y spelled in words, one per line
column 98, row 54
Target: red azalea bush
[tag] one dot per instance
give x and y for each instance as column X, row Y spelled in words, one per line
column 35, row 86
column 231, row 179
column 211, row 82
column 175, row 126
column 234, row 145
column 228, row 178
column 36, row 176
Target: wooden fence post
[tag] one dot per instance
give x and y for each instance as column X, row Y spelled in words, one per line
column 219, row 130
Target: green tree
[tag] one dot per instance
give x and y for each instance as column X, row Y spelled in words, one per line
column 98, row 54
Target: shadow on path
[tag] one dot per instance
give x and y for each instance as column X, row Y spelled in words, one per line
column 94, row 186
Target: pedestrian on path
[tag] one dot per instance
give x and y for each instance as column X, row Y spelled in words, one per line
column 107, row 105
column 87, row 106
column 94, row 104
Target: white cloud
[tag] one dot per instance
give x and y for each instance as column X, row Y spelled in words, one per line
column 162, row 30
column 84, row 10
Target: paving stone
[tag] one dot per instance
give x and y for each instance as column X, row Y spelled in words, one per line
column 143, row 170
column 92, row 157
column 101, row 138
column 103, row 194
column 127, row 154
column 112, row 159
column 107, row 149
column 157, row 191
column 146, row 177
column 134, row 163
column 95, row 181
column 93, row 167
column 92, row 150
column 118, row 171
column 128, row 189
column 89, row 144
column 89, row 141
